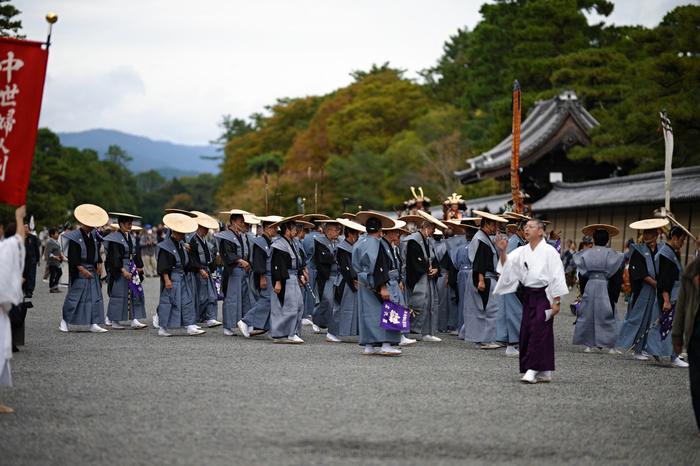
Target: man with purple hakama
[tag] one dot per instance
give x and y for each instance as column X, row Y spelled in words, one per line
column 538, row 267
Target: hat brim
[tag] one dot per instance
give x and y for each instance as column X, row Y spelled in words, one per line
column 649, row 224
column 362, row 218
column 352, row 225
column 180, row 223
column 206, row 221
column 304, row 224
column 236, row 212
column 349, row 216
column 398, row 225
column 490, row 216
column 432, row 219
column 412, row 218
column 312, row 217
column 122, row 214
column 251, row 219
column 588, row 230
column 91, row 215
column 677, row 223
column 180, row 211
column 460, row 227
column 293, row 218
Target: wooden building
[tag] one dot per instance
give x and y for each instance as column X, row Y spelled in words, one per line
column 552, row 128
column 622, row 200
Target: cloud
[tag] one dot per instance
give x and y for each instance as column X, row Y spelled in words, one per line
column 70, row 96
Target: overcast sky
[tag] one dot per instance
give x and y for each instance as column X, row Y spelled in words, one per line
column 168, row 69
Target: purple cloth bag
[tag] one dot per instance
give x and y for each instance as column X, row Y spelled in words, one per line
column 394, row 317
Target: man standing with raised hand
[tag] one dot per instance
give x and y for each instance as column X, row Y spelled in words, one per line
column 538, row 267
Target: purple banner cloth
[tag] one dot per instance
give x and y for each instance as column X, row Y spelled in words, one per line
column 217, row 285
column 135, row 283
column 394, row 317
column 558, row 246
column 667, row 322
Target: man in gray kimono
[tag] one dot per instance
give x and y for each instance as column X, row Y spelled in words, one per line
column 600, row 278
column 308, row 244
column 480, row 319
column 323, row 261
column 235, row 254
column 206, row 302
column 421, row 278
column 344, row 319
column 643, row 280
column 84, row 304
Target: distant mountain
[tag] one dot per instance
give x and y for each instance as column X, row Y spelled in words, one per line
column 168, row 159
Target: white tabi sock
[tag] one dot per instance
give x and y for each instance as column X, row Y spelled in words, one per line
column 64, row 326
column 386, row 347
column 369, row 349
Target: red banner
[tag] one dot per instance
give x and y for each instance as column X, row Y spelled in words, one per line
column 22, row 73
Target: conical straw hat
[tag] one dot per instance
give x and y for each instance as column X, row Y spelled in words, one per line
column 206, row 221
column 490, row 216
column 180, row 223
column 588, row 230
column 91, row 215
column 649, row 224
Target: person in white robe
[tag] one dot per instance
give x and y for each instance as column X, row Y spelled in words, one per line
column 537, row 266
column 12, row 253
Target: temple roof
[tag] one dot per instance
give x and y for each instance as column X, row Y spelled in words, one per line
column 555, row 123
column 646, row 188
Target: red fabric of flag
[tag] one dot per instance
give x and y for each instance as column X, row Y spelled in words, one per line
column 22, row 73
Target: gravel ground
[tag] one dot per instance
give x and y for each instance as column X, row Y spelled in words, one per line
column 129, row 397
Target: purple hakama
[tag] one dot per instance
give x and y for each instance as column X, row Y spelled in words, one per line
column 536, row 335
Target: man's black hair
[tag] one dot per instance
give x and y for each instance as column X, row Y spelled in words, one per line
column 676, row 232
column 601, row 237
column 52, row 231
column 373, row 225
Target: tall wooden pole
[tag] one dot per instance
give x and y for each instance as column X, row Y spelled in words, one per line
column 515, row 148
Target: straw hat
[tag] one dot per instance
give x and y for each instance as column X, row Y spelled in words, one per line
column 180, row 211
column 412, row 218
column 352, row 225
column 236, row 212
column 460, row 228
column 349, row 216
column 398, row 225
column 649, row 224
column 312, row 217
column 363, row 216
column 490, row 216
column 516, row 216
column 122, row 214
column 205, row 220
column 293, row 218
column 432, row 219
column 91, row 215
column 269, row 218
column 180, row 223
column 305, row 224
column 115, row 226
column 251, row 219
column 511, row 228
column 588, row 230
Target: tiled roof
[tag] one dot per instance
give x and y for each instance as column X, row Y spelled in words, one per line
column 536, row 134
column 625, row 190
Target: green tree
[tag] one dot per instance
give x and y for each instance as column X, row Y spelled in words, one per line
column 8, row 26
column 234, row 128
